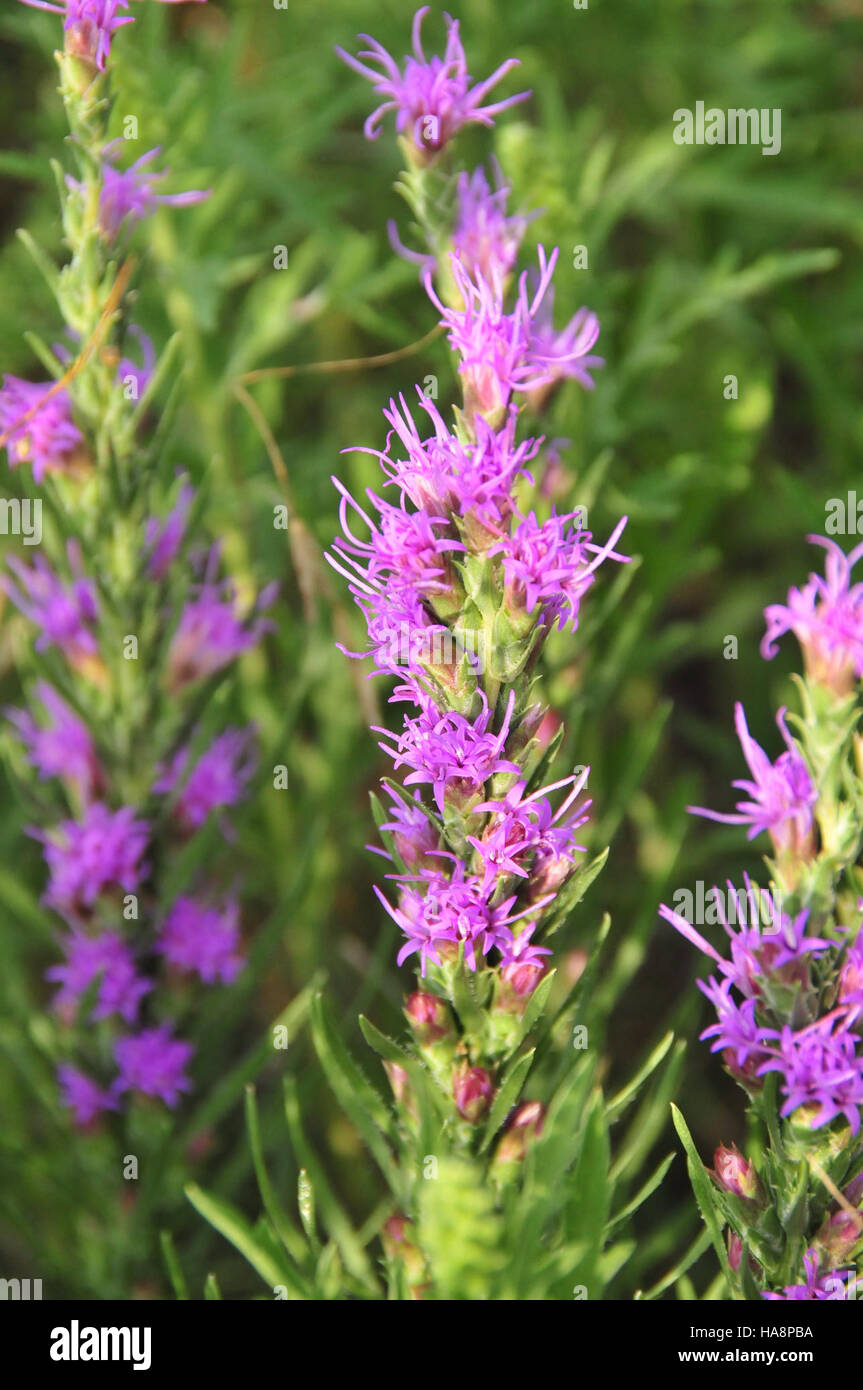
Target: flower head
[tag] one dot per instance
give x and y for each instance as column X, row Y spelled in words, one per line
column 66, row 613
column 38, row 425
column 219, row 777
column 127, row 196
column 820, row 1068
column 62, row 746
column 453, row 753
column 153, row 1062
column 781, row 794
column 83, row 1096
column 204, row 939
column 103, row 850
column 163, row 539
column 88, row 958
column 209, row 634
column 433, row 98
column 505, row 351
column 826, row 617
column 552, row 564
column 818, row 1288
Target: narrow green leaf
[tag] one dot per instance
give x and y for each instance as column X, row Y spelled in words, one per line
column 703, row 1193
column 235, row 1228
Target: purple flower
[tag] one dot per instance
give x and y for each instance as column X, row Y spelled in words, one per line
column 552, row 563
column 48, row 438
column 66, row 613
column 121, row 988
column 817, row 1288
column 820, row 1067
column 83, row 1096
column 62, row 747
column 782, row 793
column 756, row 953
column 451, row 752
column 209, row 634
column 127, row 196
column 414, row 836
column 433, row 98
column 102, row 851
column 485, row 240
column 448, row 911
column 736, row 1034
column 445, row 475
column 403, row 552
column 523, row 836
column 89, row 24
column 502, row 351
column 826, row 617
column 204, row 939
column 219, row 777
column 162, row 539
column 153, row 1062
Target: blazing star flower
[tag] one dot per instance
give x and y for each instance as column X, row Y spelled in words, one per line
column 62, row 747
column 66, row 614
column 826, row 617
column 776, row 952
column 414, row 836
column 404, row 551
column 502, row 352
column 433, row 98
column 737, row 1034
column 444, row 475
column 782, row 793
column 83, row 1096
column 818, row 1288
column 450, row 751
column 819, row 1066
column 153, row 1063
column 485, row 240
column 219, row 777
column 523, row 837
column 209, row 635
column 552, row 564
column 89, row 24
column 48, row 438
column 127, row 196
column 102, row 851
column 203, row 939
column 87, row 958
column 162, row 539
column 449, row 910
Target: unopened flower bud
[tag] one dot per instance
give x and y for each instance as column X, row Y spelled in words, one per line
column 735, row 1173
column 839, row 1236
column 524, row 1124
column 473, row 1089
column 399, row 1245
column 429, row 1017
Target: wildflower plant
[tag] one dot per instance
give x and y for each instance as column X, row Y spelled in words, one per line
column 786, row 1222
column 495, row 1142
column 128, row 635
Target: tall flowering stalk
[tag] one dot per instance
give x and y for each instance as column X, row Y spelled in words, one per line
column 461, row 577
column 788, row 990
column 129, row 628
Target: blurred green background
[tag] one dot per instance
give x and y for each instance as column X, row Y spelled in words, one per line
column 703, row 262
